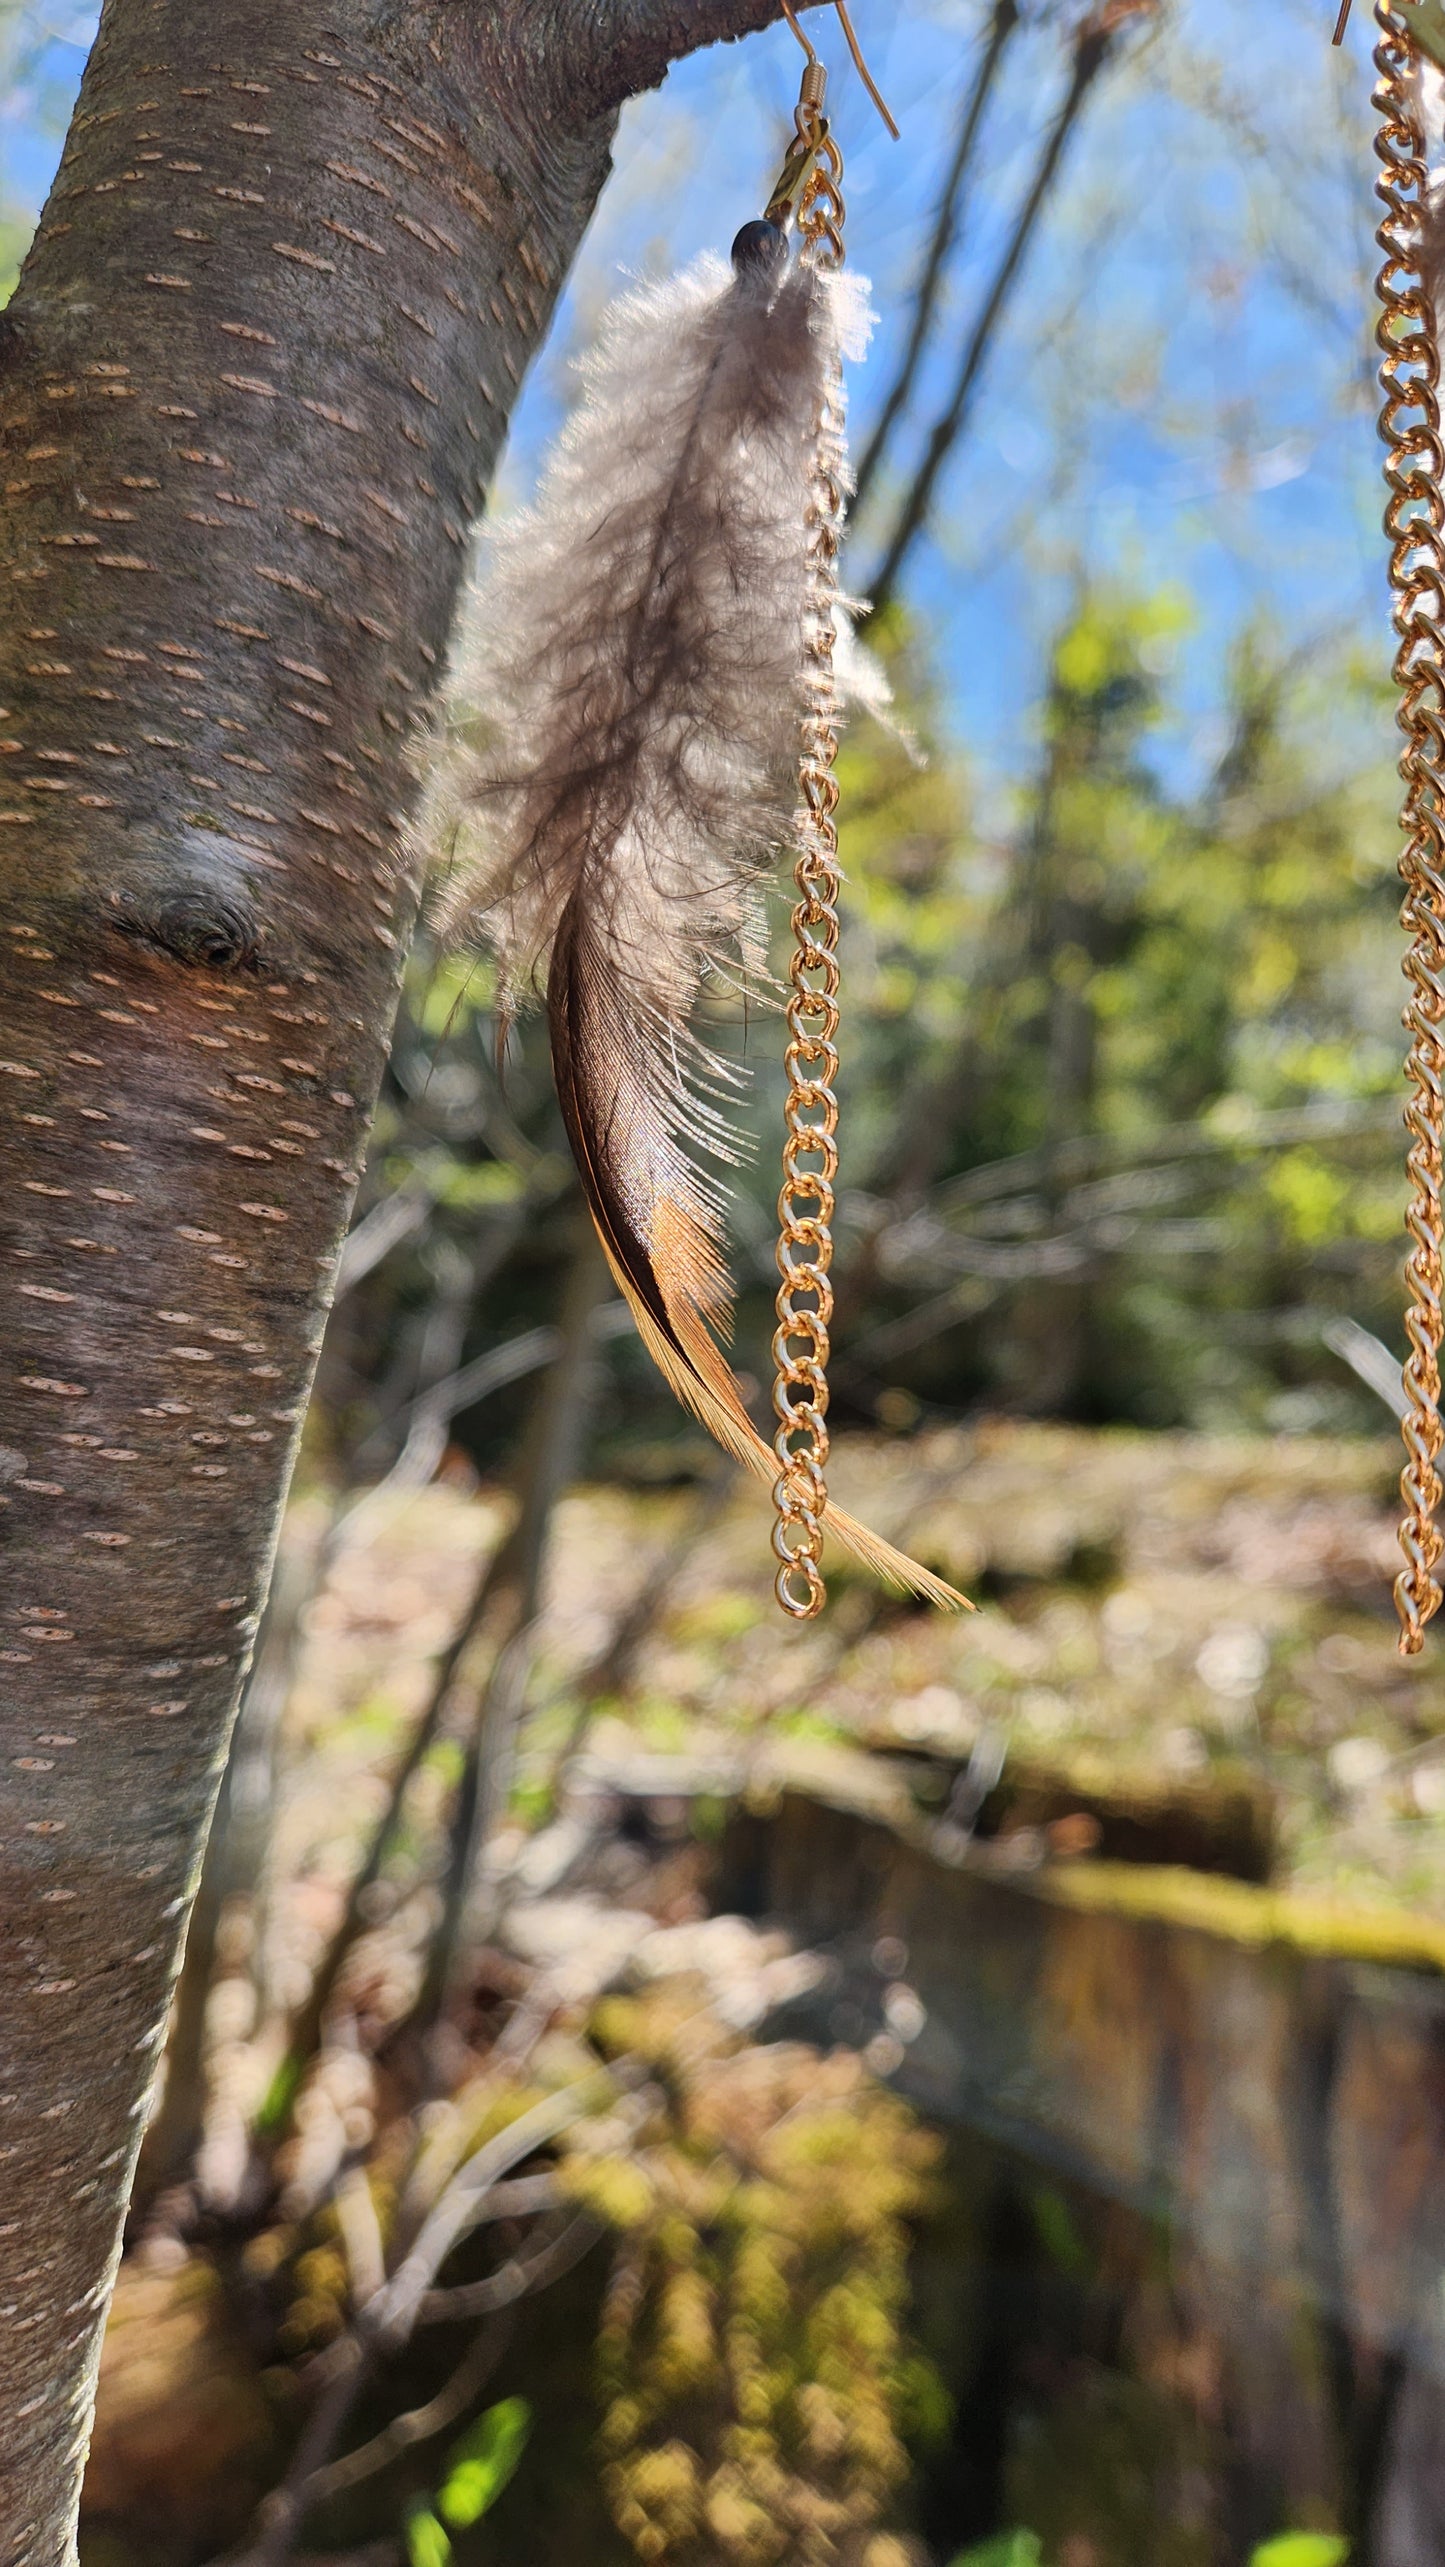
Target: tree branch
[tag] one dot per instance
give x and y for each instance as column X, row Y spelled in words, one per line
column 519, row 2276
column 304, row 2036
column 387, row 2320
column 416, row 2424
column 360, row 2234
column 1091, row 51
column 555, row 1436
column 945, row 234
column 600, row 57
column 390, row 2317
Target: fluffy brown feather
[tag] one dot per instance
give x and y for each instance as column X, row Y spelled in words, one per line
column 636, row 640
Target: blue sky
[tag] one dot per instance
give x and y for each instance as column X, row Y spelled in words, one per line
column 1184, row 397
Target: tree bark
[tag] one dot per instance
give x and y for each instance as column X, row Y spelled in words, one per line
column 252, row 386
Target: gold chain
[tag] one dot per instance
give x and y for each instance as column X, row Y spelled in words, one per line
column 1415, row 524
column 804, row 1304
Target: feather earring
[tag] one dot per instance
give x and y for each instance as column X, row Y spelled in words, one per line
column 649, row 643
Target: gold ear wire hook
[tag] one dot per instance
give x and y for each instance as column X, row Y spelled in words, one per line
column 864, row 74
column 805, row 41
column 855, row 49
column 812, row 124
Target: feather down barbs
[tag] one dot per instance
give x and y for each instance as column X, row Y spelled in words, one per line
column 636, row 644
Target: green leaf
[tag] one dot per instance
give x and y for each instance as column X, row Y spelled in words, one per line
column 1058, row 2235
column 925, row 2409
column 1006, row 2549
column 280, row 2096
column 1302, row 2549
column 480, row 2465
column 426, row 2543
column 479, row 1188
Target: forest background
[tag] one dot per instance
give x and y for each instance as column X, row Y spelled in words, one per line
column 1122, row 1142
column 1146, row 879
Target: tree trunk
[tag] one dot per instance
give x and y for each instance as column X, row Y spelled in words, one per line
column 235, row 1862
column 252, row 385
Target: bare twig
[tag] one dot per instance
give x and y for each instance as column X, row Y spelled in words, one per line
column 1369, row 1360
column 389, row 2318
column 610, row 1672
column 477, row 1380
column 1091, row 50
column 447, row 1321
column 947, row 225
column 360, row 2234
column 285, row 2509
column 555, row 1435
column 1053, row 1171
column 1070, row 1162
column 396, row 1217
column 966, row 1299
column 517, row 2277
column 523, row 2198
column 482, row 1797
column 305, row 2031
column 462, row 1281
column 513, row 1361
column 1045, row 1220
column 417, row 2424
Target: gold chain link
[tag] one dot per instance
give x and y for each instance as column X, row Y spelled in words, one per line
column 1415, row 523
column 804, row 1304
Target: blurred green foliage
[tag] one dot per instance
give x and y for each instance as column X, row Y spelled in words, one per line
column 483, row 2462
column 1119, row 1079
column 1302, row 2549
column 1008, row 2549
column 427, row 2544
column 1149, row 998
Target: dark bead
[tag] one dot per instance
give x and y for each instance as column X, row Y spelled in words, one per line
column 759, row 250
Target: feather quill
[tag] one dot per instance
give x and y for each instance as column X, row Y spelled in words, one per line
column 636, row 640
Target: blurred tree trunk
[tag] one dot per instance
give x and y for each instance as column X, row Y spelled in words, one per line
column 1076, row 916
column 553, row 1451
column 1066, row 937
column 252, row 385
